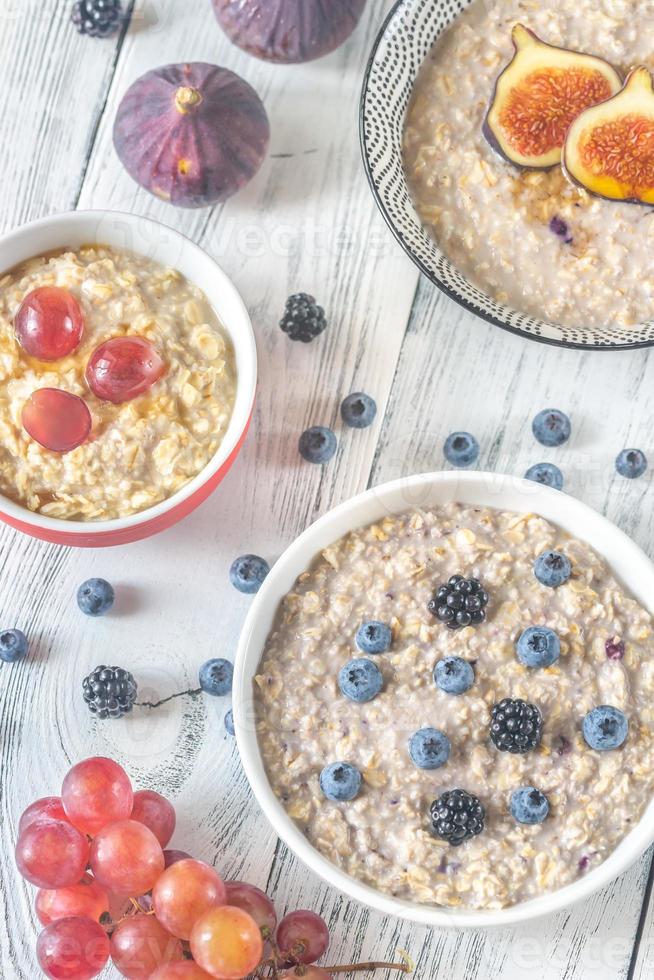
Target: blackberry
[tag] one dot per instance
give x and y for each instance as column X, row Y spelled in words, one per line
column 516, row 726
column 303, row 319
column 461, row 602
column 109, row 692
column 456, row 816
column 97, row 18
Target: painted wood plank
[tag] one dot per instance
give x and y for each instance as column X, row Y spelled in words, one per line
column 53, row 83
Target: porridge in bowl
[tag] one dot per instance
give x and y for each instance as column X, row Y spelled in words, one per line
column 455, row 705
column 118, row 383
column 522, row 229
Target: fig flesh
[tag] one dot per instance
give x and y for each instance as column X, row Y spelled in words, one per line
column 539, row 94
column 288, row 31
column 192, row 134
column 609, row 149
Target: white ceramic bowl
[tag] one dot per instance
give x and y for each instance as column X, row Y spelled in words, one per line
column 627, row 561
column 161, row 244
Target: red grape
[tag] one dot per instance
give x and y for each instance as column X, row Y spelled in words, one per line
column 172, row 857
column 123, row 368
column 156, row 812
column 140, row 944
column 184, row 892
column 253, row 901
column 49, row 323
column 49, row 807
column 56, row 419
column 227, row 943
column 95, row 793
column 86, row 898
column 188, row 970
column 76, row 948
column 126, row 858
column 303, row 935
column 52, row 854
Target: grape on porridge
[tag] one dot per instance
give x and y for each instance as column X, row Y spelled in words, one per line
column 507, row 746
column 118, row 383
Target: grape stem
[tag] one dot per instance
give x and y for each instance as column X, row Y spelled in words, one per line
column 363, row 967
column 192, row 692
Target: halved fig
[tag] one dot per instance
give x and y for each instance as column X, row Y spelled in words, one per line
column 539, row 94
column 609, row 149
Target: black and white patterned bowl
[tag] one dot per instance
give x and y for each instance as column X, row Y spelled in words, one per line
column 402, row 44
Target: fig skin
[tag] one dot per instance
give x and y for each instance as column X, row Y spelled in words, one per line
column 288, row 31
column 191, row 134
column 533, row 55
column 635, row 99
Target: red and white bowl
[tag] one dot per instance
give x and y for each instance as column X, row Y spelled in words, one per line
column 161, row 244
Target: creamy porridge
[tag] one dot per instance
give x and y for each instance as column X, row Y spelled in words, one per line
column 528, row 238
column 388, row 572
column 141, row 450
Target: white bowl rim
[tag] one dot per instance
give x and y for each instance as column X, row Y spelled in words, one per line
column 245, row 383
column 297, row 557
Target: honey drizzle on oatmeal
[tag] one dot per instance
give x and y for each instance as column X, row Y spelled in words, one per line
column 545, row 194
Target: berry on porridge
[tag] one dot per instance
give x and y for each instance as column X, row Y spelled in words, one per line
column 538, row 646
column 529, row 805
column 118, row 383
column 532, row 754
column 552, row 569
column 454, row 675
column 543, row 86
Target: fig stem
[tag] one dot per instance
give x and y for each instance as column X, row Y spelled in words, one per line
column 187, row 98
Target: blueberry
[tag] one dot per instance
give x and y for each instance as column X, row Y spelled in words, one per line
column 358, row 410
column 605, row 728
column 229, row 722
column 317, row 444
column 546, row 473
column 529, row 805
column 454, row 675
column 340, row 782
column 631, row 463
column 95, row 597
column 216, row 677
column 248, row 572
column 429, row 748
column 551, row 427
column 538, row 646
column 360, row 680
column 461, row 449
column 374, row 637
column 552, row 569
column 13, row 646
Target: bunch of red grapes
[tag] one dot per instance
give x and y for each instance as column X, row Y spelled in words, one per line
column 108, row 889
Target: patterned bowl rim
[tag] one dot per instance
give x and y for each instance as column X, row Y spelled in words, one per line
column 462, row 301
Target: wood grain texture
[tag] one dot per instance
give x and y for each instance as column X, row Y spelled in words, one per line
column 307, row 222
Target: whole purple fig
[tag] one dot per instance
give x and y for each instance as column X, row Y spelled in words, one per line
column 192, row 134
column 288, row 31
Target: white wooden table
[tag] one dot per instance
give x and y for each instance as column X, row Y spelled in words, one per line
column 308, row 223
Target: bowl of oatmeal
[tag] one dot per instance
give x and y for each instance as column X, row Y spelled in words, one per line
column 359, row 709
column 128, row 370
column 526, row 249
